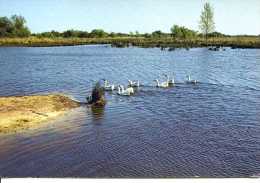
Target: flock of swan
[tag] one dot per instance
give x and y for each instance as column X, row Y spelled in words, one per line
column 129, row 90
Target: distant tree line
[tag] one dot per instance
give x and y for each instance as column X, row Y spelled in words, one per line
column 96, row 33
column 13, row 27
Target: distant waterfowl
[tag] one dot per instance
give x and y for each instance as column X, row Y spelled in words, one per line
column 133, row 83
column 217, row 48
column 171, row 49
column 170, row 81
column 191, row 81
column 164, row 84
column 125, row 92
column 109, row 87
column 162, row 48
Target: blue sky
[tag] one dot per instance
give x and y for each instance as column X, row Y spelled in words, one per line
column 231, row 16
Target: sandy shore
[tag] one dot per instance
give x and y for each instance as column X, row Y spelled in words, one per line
column 18, row 113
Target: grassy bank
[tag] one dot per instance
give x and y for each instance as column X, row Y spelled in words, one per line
column 234, row 41
column 17, row 113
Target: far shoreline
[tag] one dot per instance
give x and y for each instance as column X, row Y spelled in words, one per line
column 243, row 42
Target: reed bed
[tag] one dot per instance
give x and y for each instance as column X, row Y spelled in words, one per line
column 234, row 41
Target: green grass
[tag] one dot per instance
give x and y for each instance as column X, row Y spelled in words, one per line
column 234, row 41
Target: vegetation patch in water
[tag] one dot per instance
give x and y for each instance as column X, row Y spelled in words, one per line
column 97, row 97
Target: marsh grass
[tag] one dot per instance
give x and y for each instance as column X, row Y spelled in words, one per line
column 231, row 41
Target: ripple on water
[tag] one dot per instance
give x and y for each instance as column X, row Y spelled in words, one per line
column 209, row 130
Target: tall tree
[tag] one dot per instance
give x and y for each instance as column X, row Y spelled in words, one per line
column 207, row 24
column 20, row 28
column 174, row 30
column 6, row 27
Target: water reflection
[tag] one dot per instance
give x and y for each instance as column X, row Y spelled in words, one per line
column 97, row 113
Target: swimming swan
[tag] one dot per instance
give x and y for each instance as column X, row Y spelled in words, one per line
column 125, row 92
column 170, row 81
column 133, row 83
column 191, row 81
column 108, row 87
column 164, row 84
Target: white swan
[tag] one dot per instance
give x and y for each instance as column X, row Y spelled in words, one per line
column 191, row 81
column 125, row 92
column 170, row 81
column 130, row 90
column 89, row 99
column 108, row 87
column 133, row 83
column 164, row 84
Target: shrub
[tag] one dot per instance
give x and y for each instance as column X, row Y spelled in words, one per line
column 97, row 96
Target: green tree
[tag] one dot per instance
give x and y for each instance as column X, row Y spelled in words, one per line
column 157, row 34
column 6, row 27
column 20, row 29
column 216, row 34
column 98, row 33
column 83, row 34
column 112, row 34
column 75, row 33
column 182, row 32
column 137, row 33
column 206, row 23
column 18, row 21
column 147, row 35
column 55, row 33
column 176, row 31
column 68, row 33
column 131, row 34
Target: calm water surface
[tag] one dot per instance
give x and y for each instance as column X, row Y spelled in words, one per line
column 211, row 129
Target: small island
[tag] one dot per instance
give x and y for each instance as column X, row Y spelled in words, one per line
column 24, row 112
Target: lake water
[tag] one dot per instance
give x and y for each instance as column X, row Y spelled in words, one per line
column 211, row 129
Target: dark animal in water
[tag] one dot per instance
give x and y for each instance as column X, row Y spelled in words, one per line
column 171, row 49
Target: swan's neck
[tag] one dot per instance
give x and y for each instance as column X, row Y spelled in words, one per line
column 106, row 83
column 157, row 82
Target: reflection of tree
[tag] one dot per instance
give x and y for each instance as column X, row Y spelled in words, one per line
column 204, row 64
column 97, row 112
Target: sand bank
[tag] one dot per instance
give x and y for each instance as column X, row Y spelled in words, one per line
column 18, row 113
